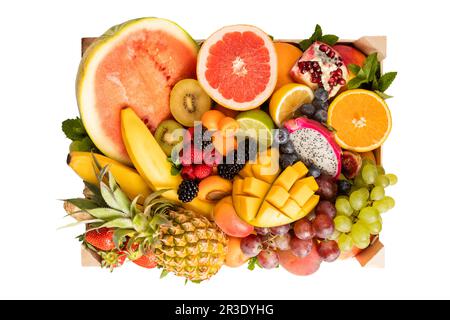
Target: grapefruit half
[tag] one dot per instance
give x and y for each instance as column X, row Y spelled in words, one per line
column 134, row 65
column 237, row 67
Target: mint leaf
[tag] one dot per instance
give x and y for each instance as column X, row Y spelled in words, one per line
column 383, row 95
column 369, row 63
column 317, row 33
column 330, row 39
column 353, row 68
column 386, row 81
column 356, row 82
column 73, row 129
column 375, row 84
column 305, row 44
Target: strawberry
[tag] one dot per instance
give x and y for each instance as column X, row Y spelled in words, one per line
column 148, row 260
column 113, row 259
column 101, row 239
column 191, row 155
column 187, row 172
column 201, row 171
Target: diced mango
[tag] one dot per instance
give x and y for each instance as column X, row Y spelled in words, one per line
column 302, row 195
column 265, row 173
column 291, row 209
column 277, row 196
column 309, row 181
column 287, row 178
column 238, row 187
column 246, row 171
column 246, row 207
column 311, row 203
column 269, row 216
column 301, row 169
column 255, row 187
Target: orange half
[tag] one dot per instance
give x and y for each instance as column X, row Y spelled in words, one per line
column 361, row 118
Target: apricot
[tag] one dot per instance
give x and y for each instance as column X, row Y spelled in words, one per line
column 222, row 143
column 228, row 126
column 210, row 119
column 228, row 221
column 235, row 257
column 214, row 188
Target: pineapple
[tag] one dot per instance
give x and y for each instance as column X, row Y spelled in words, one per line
column 185, row 243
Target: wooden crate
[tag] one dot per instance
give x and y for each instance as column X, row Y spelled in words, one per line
column 373, row 256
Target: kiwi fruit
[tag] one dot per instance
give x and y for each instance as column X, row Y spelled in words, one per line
column 168, row 136
column 188, row 102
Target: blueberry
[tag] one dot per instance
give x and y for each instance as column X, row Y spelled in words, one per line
column 344, row 186
column 282, row 136
column 287, row 160
column 314, row 171
column 321, row 116
column 287, row 148
column 307, row 109
column 321, row 94
column 320, row 105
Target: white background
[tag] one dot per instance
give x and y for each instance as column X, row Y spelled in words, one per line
column 39, row 55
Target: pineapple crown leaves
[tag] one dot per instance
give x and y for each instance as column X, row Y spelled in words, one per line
column 111, row 208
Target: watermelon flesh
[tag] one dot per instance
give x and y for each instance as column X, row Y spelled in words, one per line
column 136, row 70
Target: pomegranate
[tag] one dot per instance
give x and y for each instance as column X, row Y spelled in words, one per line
column 321, row 66
column 351, row 164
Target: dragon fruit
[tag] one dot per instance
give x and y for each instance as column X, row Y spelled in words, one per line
column 315, row 145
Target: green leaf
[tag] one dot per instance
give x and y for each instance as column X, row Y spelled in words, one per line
column 329, row 39
column 305, row 44
column 79, row 222
column 317, row 33
column 119, row 236
column 97, row 196
column 370, row 65
column 73, row 129
column 252, row 262
column 375, row 84
column 108, row 196
column 353, row 68
column 356, row 82
column 122, row 200
column 123, row 223
column 383, row 95
column 174, row 171
column 105, row 214
column 163, row 274
column 82, row 203
column 386, row 81
column 158, row 220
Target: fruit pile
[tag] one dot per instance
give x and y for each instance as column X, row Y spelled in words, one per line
column 243, row 150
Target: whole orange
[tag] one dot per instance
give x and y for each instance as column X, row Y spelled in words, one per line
column 287, row 55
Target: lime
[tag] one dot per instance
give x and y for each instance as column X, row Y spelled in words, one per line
column 258, row 125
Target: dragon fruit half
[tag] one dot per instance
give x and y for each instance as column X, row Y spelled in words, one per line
column 315, row 145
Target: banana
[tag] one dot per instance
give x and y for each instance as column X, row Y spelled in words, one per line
column 151, row 162
column 129, row 180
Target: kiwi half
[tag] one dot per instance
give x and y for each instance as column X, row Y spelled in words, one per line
column 188, row 102
column 167, row 135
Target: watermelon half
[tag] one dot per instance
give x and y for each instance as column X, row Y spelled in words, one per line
column 134, row 64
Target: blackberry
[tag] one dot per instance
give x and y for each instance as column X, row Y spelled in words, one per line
column 207, row 138
column 229, row 171
column 187, row 190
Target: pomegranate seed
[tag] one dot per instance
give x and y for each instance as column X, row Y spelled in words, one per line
column 338, row 72
column 339, row 64
column 342, row 82
column 315, row 65
column 323, row 48
column 332, row 81
column 315, row 79
column 331, row 54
